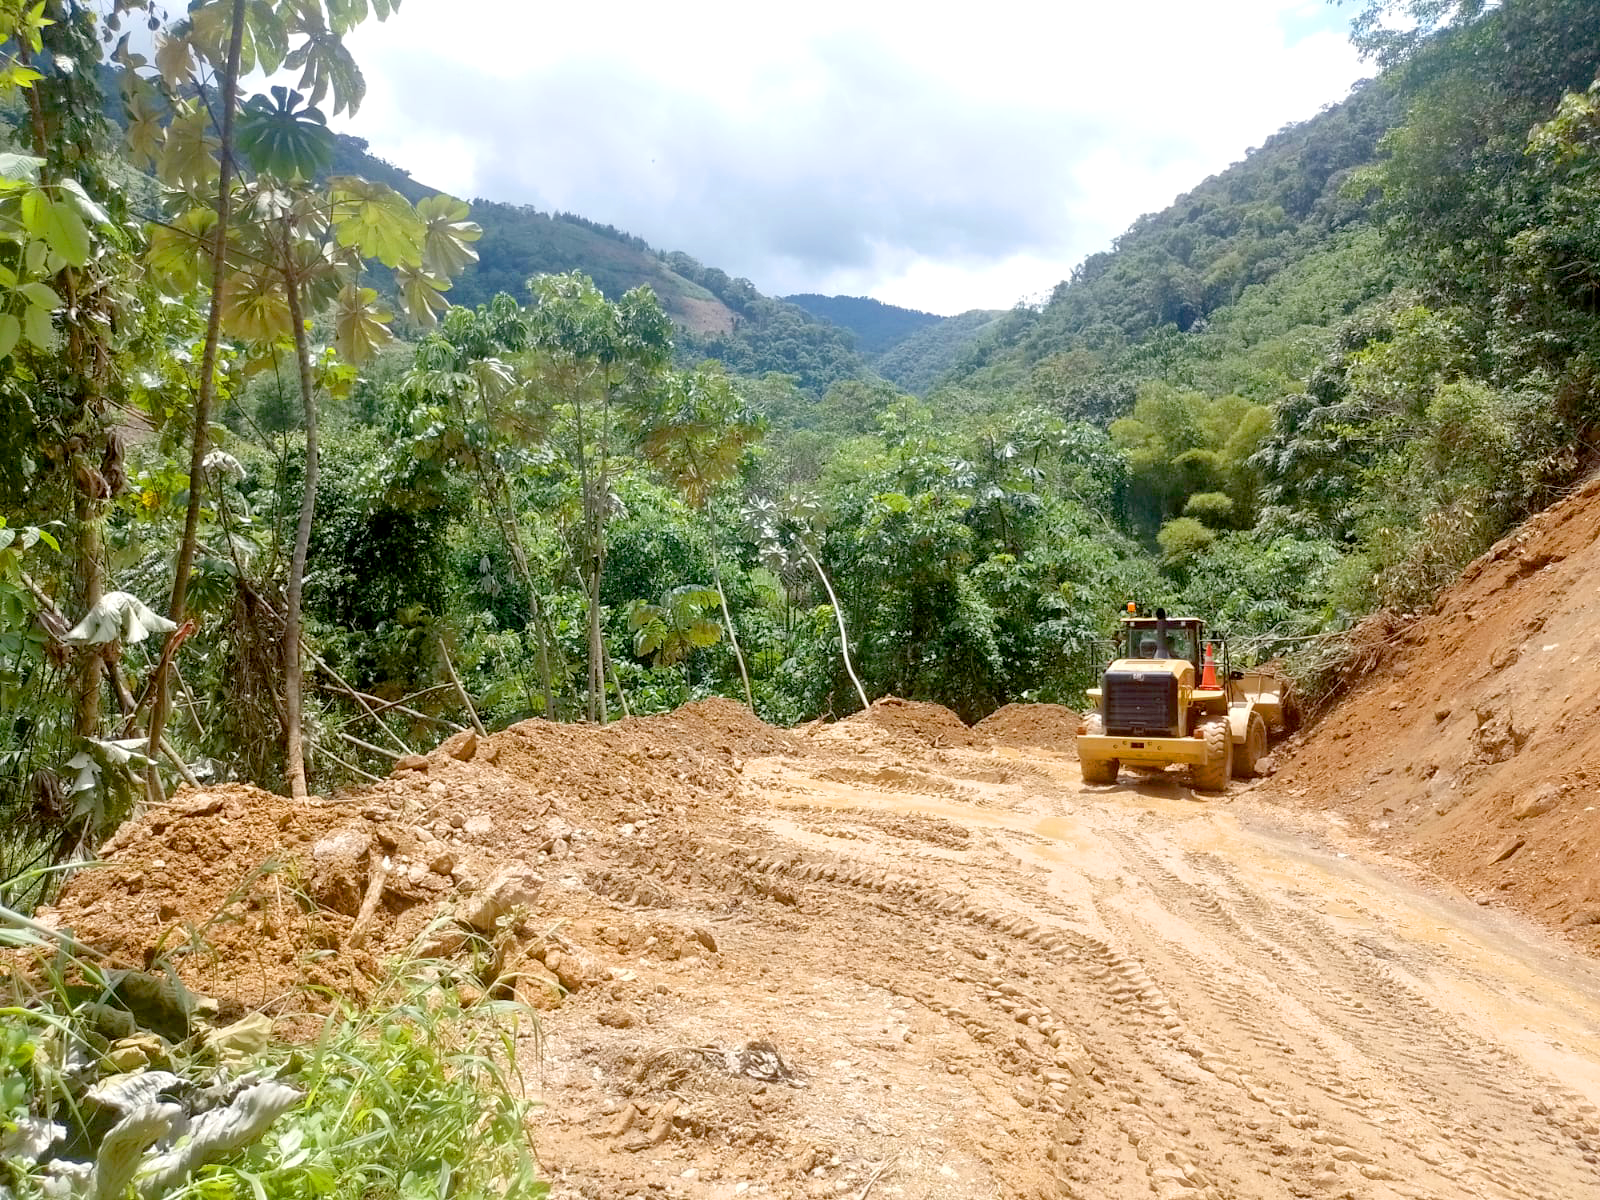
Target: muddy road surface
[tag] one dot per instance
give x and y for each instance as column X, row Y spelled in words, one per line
column 940, row 966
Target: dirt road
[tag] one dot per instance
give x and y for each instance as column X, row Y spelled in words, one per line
column 954, row 971
column 897, row 957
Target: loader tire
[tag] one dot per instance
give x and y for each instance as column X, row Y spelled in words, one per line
column 1212, row 775
column 1098, row 770
column 1246, row 757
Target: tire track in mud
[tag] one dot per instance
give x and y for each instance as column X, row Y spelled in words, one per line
column 1420, row 1033
column 898, row 779
column 1352, row 1007
column 1180, row 1034
column 1025, row 1018
column 1138, row 1041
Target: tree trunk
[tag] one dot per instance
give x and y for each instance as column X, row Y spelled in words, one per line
column 294, row 751
column 602, row 502
column 508, row 533
column 88, row 508
column 727, row 619
column 597, row 649
column 594, row 702
column 498, row 493
column 616, row 682
column 541, row 635
column 91, row 587
column 838, row 615
column 207, row 383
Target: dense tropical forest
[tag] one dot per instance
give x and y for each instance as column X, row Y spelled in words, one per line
column 303, row 465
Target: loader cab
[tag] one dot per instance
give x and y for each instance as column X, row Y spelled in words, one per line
column 1142, row 638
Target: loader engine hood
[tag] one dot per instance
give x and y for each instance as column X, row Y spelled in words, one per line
column 1139, row 696
column 1180, row 669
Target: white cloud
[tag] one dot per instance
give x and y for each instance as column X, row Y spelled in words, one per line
column 941, row 157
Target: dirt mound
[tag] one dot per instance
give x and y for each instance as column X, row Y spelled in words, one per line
column 222, row 883
column 251, row 895
column 804, row 975
column 1033, row 726
column 718, row 725
column 912, row 722
column 1473, row 738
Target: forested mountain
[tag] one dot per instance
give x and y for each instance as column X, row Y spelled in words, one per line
column 720, row 316
column 877, row 326
column 520, row 242
column 931, row 354
column 1174, row 270
column 769, row 335
column 913, row 350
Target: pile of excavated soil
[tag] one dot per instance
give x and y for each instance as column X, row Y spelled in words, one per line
column 219, row 882
column 1033, row 727
column 1473, row 740
column 251, row 895
column 871, row 970
column 718, row 725
column 914, row 723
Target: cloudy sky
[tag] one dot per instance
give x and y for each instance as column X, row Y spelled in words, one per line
column 932, row 155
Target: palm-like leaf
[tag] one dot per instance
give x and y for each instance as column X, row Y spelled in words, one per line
column 446, row 248
column 668, row 632
column 422, row 295
column 360, row 323
column 188, row 149
column 144, row 118
column 118, row 616
column 325, row 65
column 282, row 139
column 254, row 307
column 378, row 222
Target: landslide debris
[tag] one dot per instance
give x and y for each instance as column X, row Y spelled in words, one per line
column 875, row 965
column 910, row 724
column 1033, row 727
column 1471, row 740
column 253, row 895
column 624, row 882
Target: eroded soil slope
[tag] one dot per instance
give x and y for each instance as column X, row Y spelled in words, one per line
column 1475, row 745
column 894, row 957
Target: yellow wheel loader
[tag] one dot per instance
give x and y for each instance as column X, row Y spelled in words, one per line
column 1170, row 698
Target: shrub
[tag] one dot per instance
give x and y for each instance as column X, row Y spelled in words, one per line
column 1210, row 508
column 417, row 1096
column 1181, row 539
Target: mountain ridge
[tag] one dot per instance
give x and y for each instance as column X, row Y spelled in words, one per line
column 1170, row 272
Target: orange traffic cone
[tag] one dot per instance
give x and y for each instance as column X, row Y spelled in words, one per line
column 1208, row 669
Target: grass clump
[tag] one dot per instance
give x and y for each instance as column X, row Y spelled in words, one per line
column 415, row 1096
column 415, row 1100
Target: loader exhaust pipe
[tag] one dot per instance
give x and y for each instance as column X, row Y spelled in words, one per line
column 1162, row 650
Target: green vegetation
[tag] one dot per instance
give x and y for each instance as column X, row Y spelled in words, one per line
column 418, row 1095
column 919, row 362
column 272, row 507
column 767, row 335
column 878, row 326
column 519, row 243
